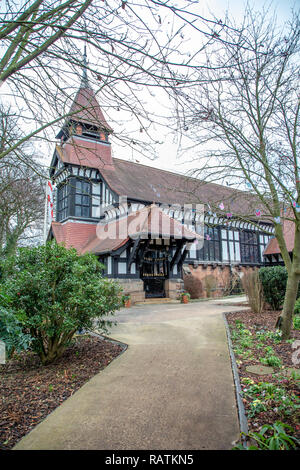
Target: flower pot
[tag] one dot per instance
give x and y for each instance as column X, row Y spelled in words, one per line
column 185, row 299
column 128, row 303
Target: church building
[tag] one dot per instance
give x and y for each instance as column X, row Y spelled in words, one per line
column 149, row 227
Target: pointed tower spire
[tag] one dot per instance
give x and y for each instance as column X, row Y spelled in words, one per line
column 86, row 129
column 84, row 80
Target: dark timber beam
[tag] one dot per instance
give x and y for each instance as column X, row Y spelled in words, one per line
column 184, row 254
column 143, row 249
column 182, row 258
column 177, row 254
column 133, row 252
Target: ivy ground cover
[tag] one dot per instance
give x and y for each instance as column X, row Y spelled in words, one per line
column 273, row 396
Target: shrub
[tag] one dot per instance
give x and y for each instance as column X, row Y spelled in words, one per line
column 56, row 292
column 297, row 306
column 274, row 281
column 11, row 329
column 253, row 290
column 296, row 322
column 193, row 286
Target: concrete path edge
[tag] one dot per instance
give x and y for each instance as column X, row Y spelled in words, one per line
column 238, row 391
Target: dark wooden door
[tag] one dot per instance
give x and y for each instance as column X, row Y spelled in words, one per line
column 154, row 271
column 154, row 288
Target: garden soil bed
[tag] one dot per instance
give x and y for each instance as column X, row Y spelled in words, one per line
column 266, row 321
column 30, row 391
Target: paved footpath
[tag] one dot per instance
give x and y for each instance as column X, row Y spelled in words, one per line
column 171, row 389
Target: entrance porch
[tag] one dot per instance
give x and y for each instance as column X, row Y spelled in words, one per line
column 145, row 252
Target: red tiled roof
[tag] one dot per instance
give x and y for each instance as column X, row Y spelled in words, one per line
column 98, row 246
column 144, row 182
column 151, row 219
column 86, row 153
column 147, row 183
column 289, row 235
column 73, row 234
column 155, row 221
column 87, row 109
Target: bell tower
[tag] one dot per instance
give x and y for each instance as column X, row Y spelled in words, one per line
column 85, row 131
column 82, row 153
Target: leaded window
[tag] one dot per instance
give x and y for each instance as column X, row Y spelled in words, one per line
column 211, row 246
column 249, row 247
column 96, row 191
column 82, row 198
column 263, row 241
column 230, row 245
column 62, row 201
column 109, row 265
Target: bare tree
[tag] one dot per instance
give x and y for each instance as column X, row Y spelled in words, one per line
column 21, row 211
column 132, row 47
column 21, row 189
column 246, row 119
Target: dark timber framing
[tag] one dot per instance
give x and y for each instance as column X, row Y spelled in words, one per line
column 87, row 194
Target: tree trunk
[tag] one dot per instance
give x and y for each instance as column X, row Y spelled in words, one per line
column 285, row 321
column 11, row 245
column 286, row 318
column 53, row 353
column 56, row 348
column 51, row 356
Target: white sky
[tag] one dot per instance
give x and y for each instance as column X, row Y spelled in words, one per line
column 167, row 157
column 167, row 152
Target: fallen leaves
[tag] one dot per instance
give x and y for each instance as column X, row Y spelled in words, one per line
column 30, row 391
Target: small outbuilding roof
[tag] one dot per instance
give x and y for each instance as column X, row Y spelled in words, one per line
column 289, row 235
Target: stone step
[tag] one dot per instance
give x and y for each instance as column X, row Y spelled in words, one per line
column 164, row 300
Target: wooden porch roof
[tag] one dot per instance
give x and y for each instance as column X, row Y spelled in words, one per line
column 151, row 222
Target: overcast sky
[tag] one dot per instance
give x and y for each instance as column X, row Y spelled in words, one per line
column 168, row 156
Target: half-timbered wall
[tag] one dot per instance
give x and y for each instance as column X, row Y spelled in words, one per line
column 117, row 266
column 225, row 245
column 81, row 193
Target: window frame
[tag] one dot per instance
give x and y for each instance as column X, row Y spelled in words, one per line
column 82, row 193
column 63, row 193
column 263, row 244
column 230, row 243
column 211, row 247
column 250, row 247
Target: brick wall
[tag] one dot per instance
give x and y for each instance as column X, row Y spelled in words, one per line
column 173, row 287
column 134, row 287
column 217, row 280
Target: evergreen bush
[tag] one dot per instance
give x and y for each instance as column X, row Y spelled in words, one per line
column 11, row 329
column 56, row 292
column 297, row 306
column 274, row 280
